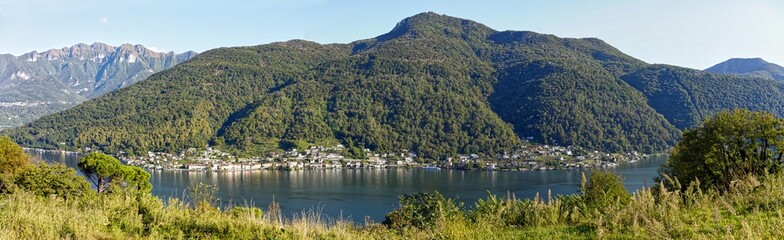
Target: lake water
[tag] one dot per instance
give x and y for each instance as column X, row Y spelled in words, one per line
column 354, row 194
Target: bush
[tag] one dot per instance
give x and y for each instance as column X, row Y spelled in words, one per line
column 203, row 195
column 604, row 189
column 246, row 212
column 424, row 210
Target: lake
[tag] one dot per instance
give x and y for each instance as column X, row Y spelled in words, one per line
column 354, row 194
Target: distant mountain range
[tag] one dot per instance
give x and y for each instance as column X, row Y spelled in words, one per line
column 752, row 67
column 36, row 84
column 435, row 84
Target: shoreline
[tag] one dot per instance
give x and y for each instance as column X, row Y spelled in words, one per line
column 299, row 166
column 49, row 150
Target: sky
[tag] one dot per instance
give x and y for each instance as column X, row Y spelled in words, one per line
column 693, row 33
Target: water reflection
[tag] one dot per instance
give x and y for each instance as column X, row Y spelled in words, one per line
column 371, row 192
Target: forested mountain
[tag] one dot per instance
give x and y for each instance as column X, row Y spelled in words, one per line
column 753, row 67
column 37, row 84
column 435, row 84
column 686, row 96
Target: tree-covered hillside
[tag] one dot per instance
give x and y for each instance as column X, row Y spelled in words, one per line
column 435, row 84
column 686, row 96
column 180, row 108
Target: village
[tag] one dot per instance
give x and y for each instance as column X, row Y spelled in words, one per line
column 527, row 157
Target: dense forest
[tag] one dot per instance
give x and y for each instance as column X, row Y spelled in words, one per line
column 435, row 85
column 686, row 96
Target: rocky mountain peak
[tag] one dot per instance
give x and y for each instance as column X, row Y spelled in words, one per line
column 39, row 83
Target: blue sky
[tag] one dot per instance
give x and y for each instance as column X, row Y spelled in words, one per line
column 692, row 33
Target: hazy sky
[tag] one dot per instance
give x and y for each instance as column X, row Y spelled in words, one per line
column 689, row 33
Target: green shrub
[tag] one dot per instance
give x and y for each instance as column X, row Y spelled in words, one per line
column 246, row 212
column 203, row 195
column 424, row 210
column 604, row 189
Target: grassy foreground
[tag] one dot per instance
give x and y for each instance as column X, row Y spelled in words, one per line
column 751, row 208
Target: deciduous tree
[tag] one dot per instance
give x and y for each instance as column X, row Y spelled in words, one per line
column 728, row 146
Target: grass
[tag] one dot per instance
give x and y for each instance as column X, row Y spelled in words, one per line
column 751, row 209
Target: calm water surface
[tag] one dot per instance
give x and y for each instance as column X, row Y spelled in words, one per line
column 355, row 194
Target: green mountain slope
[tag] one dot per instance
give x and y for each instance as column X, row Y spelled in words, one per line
column 180, row 108
column 686, row 96
column 566, row 91
column 577, row 104
column 435, row 84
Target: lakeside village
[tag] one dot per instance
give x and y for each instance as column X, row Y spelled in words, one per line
column 527, row 157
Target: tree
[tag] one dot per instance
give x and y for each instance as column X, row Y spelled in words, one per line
column 12, row 158
column 56, row 179
column 731, row 145
column 103, row 170
column 100, row 169
column 17, row 173
column 137, row 178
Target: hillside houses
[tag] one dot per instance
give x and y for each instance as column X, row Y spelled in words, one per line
column 526, row 157
column 314, row 157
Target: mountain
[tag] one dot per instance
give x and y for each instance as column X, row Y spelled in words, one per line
column 435, row 84
column 36, row 84
column 686, row 96
column 749, row 67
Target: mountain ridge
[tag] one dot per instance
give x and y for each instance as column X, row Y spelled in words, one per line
column 435, row 84
column 754, row 67
column 36, row 83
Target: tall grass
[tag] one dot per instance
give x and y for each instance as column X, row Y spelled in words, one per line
column 750, row 209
